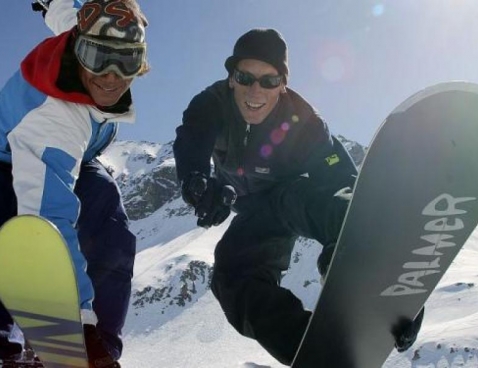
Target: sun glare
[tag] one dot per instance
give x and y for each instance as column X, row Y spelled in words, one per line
column 378, row 10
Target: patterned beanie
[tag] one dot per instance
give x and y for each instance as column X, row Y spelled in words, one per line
column 117, row 19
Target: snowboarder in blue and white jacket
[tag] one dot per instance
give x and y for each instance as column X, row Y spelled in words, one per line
column 57, row 114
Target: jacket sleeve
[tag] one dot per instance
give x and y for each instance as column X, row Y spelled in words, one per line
column 323, row 157
column 61, row 15
column 47, row 146
column 196, row 137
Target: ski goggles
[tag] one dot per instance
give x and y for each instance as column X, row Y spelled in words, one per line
column 266, row 81
column 103, row 56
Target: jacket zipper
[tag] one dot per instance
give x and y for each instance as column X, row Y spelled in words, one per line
column 246, row 140
column 246, row 137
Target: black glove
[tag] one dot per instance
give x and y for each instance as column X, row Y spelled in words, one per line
column 324, row 259
column 37, row 7
column 212, row 202
column 407, row 331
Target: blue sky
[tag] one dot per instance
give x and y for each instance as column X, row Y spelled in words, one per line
column 355, row 61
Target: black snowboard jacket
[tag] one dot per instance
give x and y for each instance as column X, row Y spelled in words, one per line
column 292, row 141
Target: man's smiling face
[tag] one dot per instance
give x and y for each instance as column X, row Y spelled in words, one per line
column 255, row 102
column 105, row 89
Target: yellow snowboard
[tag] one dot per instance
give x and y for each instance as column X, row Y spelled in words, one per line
column 38, row 287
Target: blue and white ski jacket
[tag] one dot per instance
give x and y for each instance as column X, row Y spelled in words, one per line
column 46, row 133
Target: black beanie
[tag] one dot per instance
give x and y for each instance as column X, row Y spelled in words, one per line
column 266, row 45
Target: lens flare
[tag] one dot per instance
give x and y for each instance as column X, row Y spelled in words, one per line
column 277, row 136
column 333, row 68
column 266, row 150
column 336, row 60
column 378, row 10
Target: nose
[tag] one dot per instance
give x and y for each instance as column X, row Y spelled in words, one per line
column 255, row 87
column 110, row 76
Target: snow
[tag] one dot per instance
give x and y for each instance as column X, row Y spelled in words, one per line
column 193, row 332
column 200, row 336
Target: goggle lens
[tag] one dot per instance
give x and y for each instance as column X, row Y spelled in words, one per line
column 100, row 57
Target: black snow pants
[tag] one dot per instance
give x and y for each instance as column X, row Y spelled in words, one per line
column 256, row 249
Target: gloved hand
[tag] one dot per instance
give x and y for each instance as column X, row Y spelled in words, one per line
column 42, row 6
column 212, row 202
column 324, row 259
column 407, row 331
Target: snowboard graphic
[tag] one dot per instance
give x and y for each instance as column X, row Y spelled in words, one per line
column 38, row 287
column 415, row 204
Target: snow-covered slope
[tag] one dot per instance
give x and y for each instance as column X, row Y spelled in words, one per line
column 174, row 321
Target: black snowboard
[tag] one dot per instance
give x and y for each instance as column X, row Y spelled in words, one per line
column 414, row 206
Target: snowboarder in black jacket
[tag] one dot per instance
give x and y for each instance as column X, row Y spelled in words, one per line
column 279, row 168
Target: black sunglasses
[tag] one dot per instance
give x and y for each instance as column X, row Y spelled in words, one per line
column 266, row 81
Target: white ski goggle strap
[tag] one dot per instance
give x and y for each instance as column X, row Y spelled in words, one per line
column 103, row 56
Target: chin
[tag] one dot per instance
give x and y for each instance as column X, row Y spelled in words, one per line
column 255, row 120
column 102, row 98
column 105, row 102
column 254, row 117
